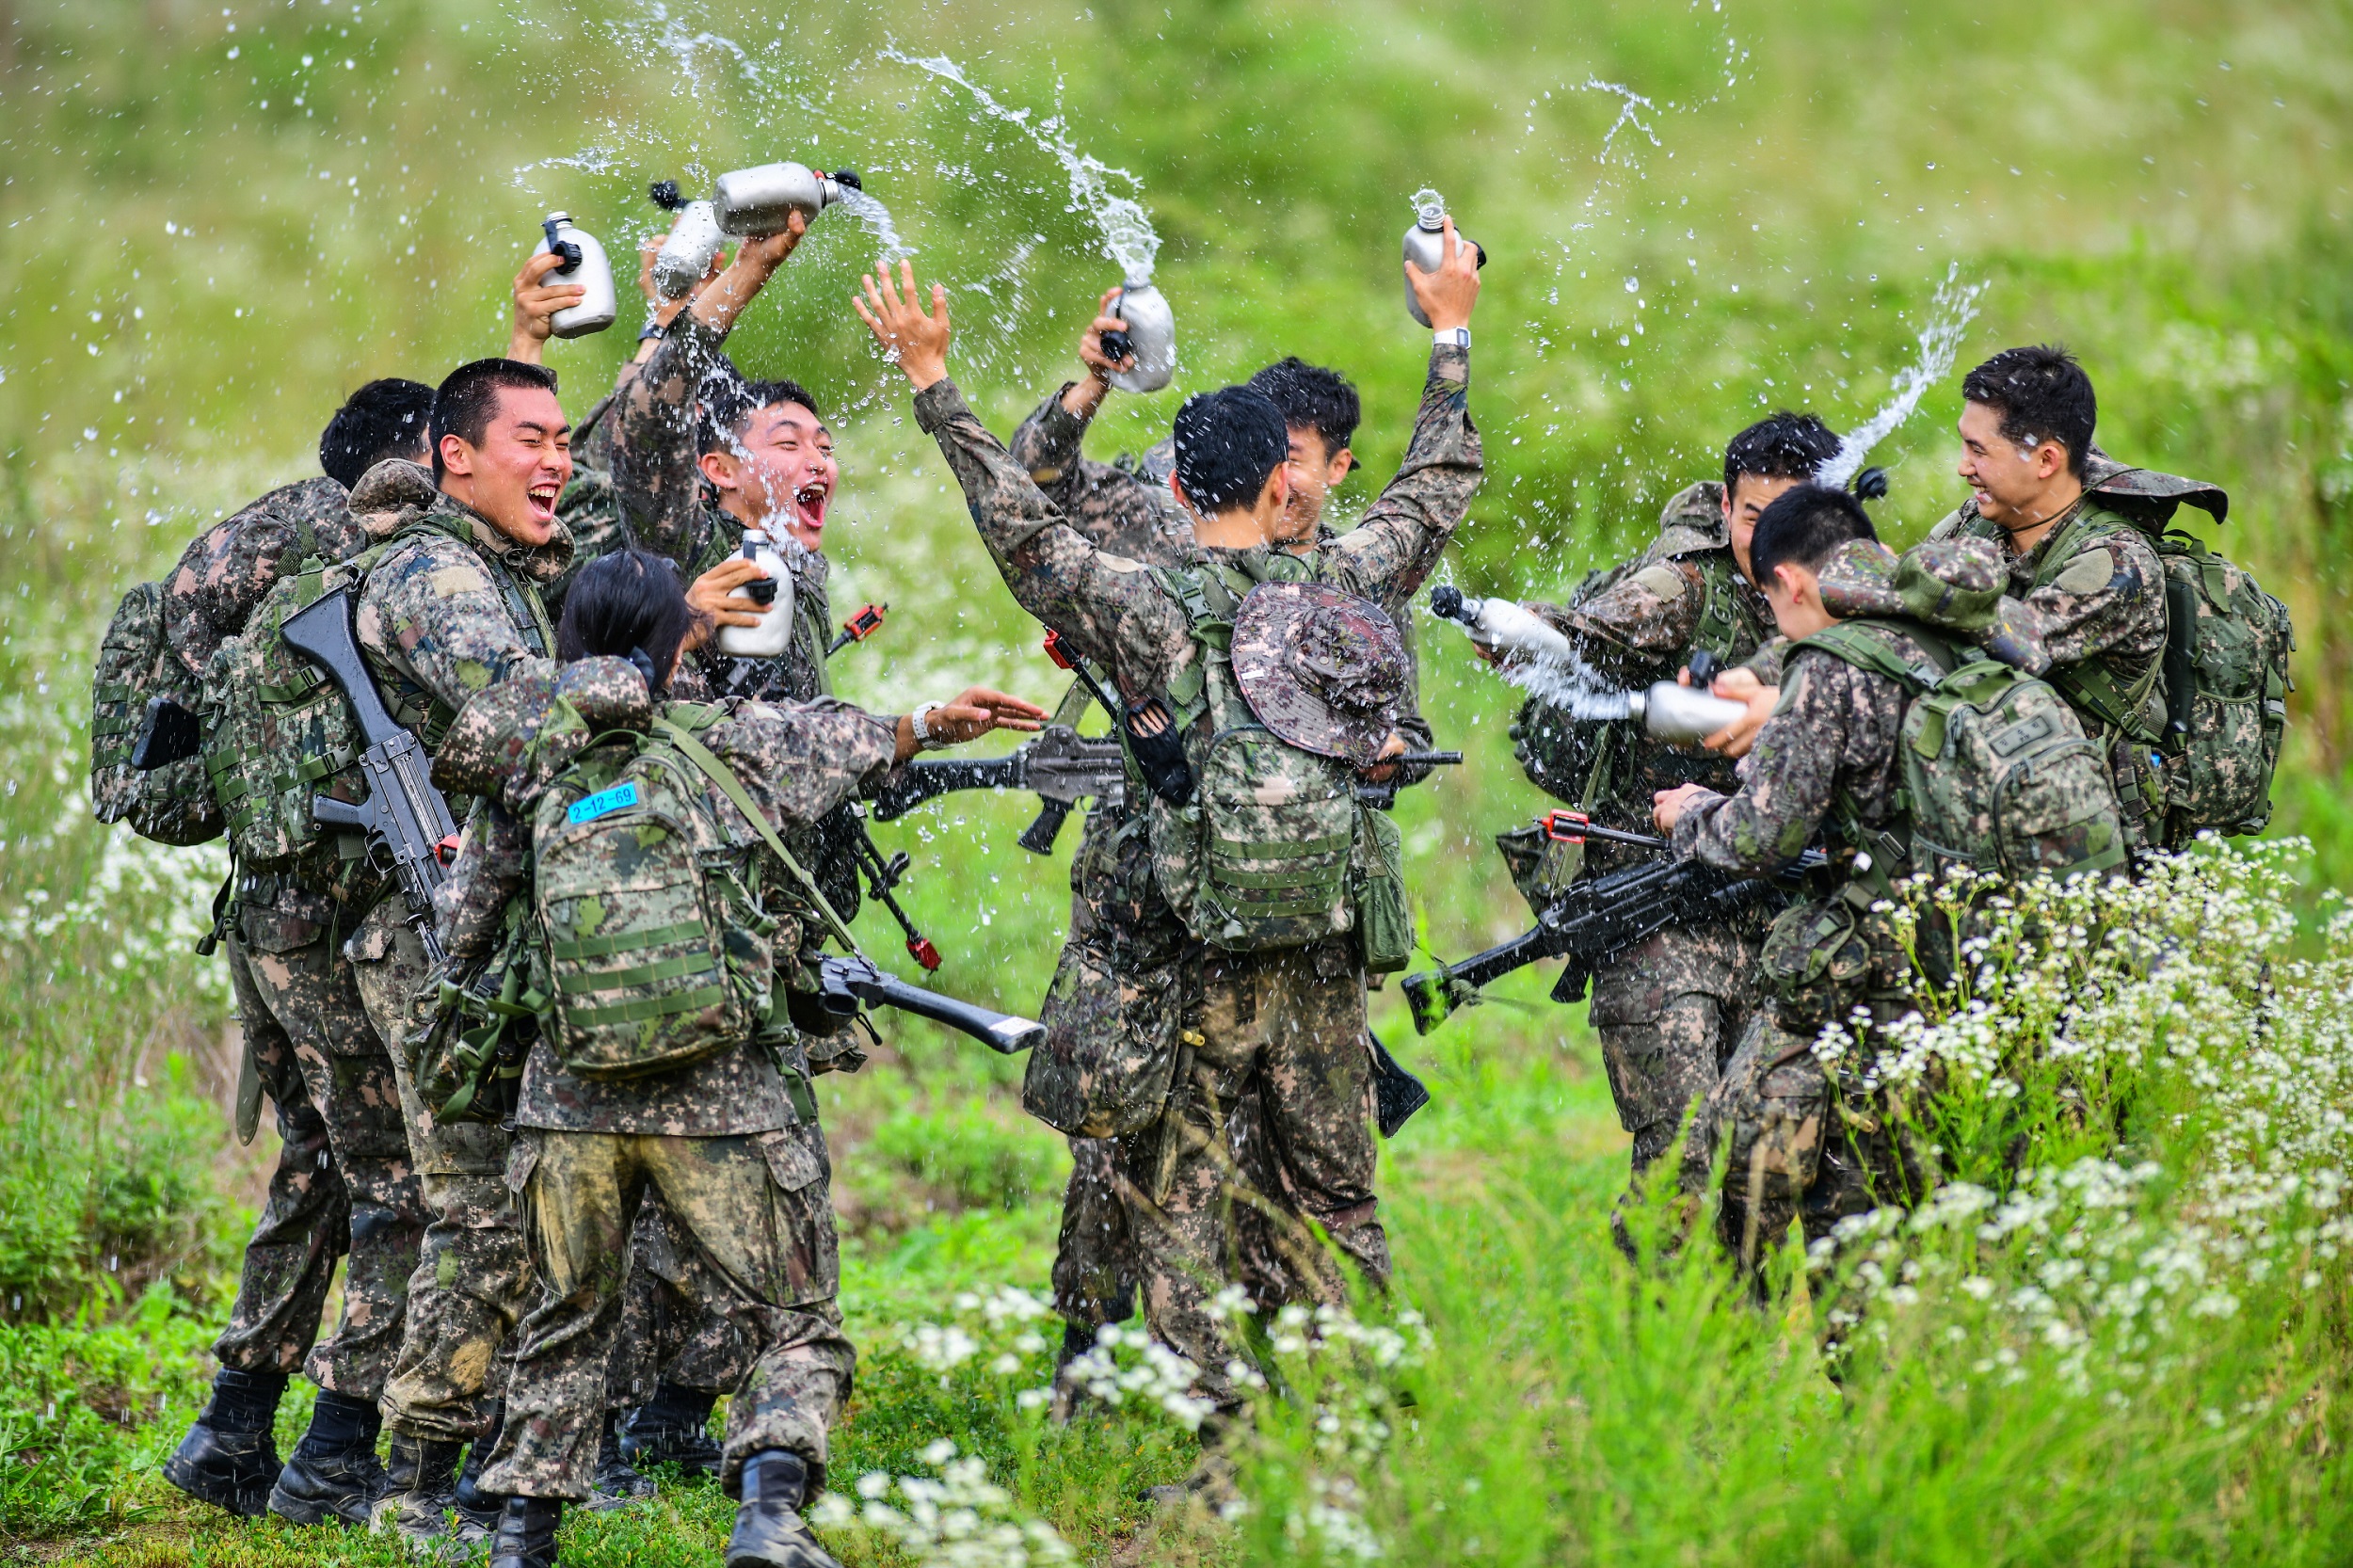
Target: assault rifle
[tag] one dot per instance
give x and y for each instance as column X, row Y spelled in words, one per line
column 1596, row 919
column 409, row 830
column 845, row 984
column 1060, row 766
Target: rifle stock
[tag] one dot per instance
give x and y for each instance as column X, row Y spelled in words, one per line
column 846, row 982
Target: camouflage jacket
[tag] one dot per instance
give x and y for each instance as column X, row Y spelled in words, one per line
column 453, row 607
column 1115, row 613
column 1640, row 623
column 590, row 506
column 796, row 761
column 228, row 568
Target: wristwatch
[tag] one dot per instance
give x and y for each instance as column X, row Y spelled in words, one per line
column 655, row 331
column 1453, row 337
column 923, row 740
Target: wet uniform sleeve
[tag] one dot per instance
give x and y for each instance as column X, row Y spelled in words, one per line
column 227, row 571
column 493, row 867
column 1109, row 606
column 2108, row 602
column 653, row 418
column 1638, row 624
column 1837, row 728
column 1121, row 511
column 432, row 613
column 799, row 761
column 1389, row 554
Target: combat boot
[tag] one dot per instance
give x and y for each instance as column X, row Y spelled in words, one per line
column 420, row 1512
column 617, row 1485
column 229, row 1459
column 526, row 1533
column 334, row 1477
column 673, row 1427
column 769, row 1529
column 480, row 1508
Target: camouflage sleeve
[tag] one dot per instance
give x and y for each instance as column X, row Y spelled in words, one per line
column 493, row 867
column 2107, row 601
column 1386, row 557
column 430, row 613
column 1113, row 507
column 799, row 761
column 514, row 737
column 1109, row 606
column 1835, row 727
column 654, row 470
column 225, row 571
column 1638, row 623
column 1766, row 663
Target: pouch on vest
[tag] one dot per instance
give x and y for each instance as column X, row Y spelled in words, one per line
column 171, row 803
column 1816, row 960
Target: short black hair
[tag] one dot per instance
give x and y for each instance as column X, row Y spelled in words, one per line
column 469, row 398
column 729, row 403
column 1312, row 398
column 632, row 598
column 1229, row 442
column 1781, row 446
column 2043, row 396
column 387, row 418
column 1803, row 526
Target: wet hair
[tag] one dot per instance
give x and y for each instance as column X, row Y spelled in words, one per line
column 387, row 418
column 729, row 401
column 1782, row 446
column 1229, row 442
column 1312, row 398
column 1803, row 526
column 2043, row 396
column 468, row 399
column 630, row 599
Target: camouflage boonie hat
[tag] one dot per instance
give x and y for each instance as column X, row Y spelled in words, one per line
column 1953, row 585
column 1323, row 669
column 2161, row 493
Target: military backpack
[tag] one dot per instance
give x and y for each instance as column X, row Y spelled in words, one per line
column 1997, row 773
column 136, row 667
column 1273, row 849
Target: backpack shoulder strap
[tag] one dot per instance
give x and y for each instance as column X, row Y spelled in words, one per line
column 709, row 765
column 1865, row 645
column 1209, row 606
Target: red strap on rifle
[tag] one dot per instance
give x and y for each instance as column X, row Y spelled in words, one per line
column 1054, row 650
column 446, row 850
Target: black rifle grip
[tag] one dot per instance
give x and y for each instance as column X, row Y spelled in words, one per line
column 1038, row 837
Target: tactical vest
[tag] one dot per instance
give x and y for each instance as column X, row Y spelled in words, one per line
column 277, row 731
column 1997, row 773
column 1273, row 849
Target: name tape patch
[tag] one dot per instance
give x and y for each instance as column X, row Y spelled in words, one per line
column 589, row 808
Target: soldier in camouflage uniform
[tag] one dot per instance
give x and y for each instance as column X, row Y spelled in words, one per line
column 451, row 606
column 1802, row 1143
column 731, row 1143
column 1669, row 1010
column 1292, row 1017
column 344, row 1185
column 1126, row 508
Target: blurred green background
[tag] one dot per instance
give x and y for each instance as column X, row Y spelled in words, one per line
column 216, row 220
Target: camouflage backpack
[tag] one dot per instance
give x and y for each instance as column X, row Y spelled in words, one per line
column 136, row 667
column 1273, row 849
column 660, row 944
column 1997, row 773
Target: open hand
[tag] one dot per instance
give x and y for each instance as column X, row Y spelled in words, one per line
column 917, row 342
column 1447, row 296
column 1741, row 685
column 665, row 311
column 535, row 304
column 969, row 714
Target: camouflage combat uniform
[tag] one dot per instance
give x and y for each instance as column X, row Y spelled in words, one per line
column 1668, row 1010
column 732, row 1146
column 2098, row 589
column 1804, row 1142
column 344, row 1184
column 1293, row 1019
column 444, row 613
column 1126, row 508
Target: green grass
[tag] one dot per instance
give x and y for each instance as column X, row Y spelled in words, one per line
column 2164, row 186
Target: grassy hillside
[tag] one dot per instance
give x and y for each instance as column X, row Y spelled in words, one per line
column 216, row 219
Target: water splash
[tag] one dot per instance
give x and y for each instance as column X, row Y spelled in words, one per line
column 1571, row 685
column 1954, row 307
column 1129, row 237
column 877, row 218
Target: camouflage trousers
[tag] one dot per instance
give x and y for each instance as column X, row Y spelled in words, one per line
column 668, row 1333
column 1669, row 1013
column 1798, row 1144
column 1095, row 1276
column 756, row 1211
column 1291, row 1025
column 474, row 1272
column 344, row 1187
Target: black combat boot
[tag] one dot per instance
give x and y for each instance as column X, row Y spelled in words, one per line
column 526, row 1533
column 420, row 1511
column 617, row 1485
column 769, row 1529
column 673, row 1427
column 334, row 1477
column 229, row 1459
column 477, row 1510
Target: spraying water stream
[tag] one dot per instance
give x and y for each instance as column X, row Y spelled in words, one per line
column 1950, row 312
